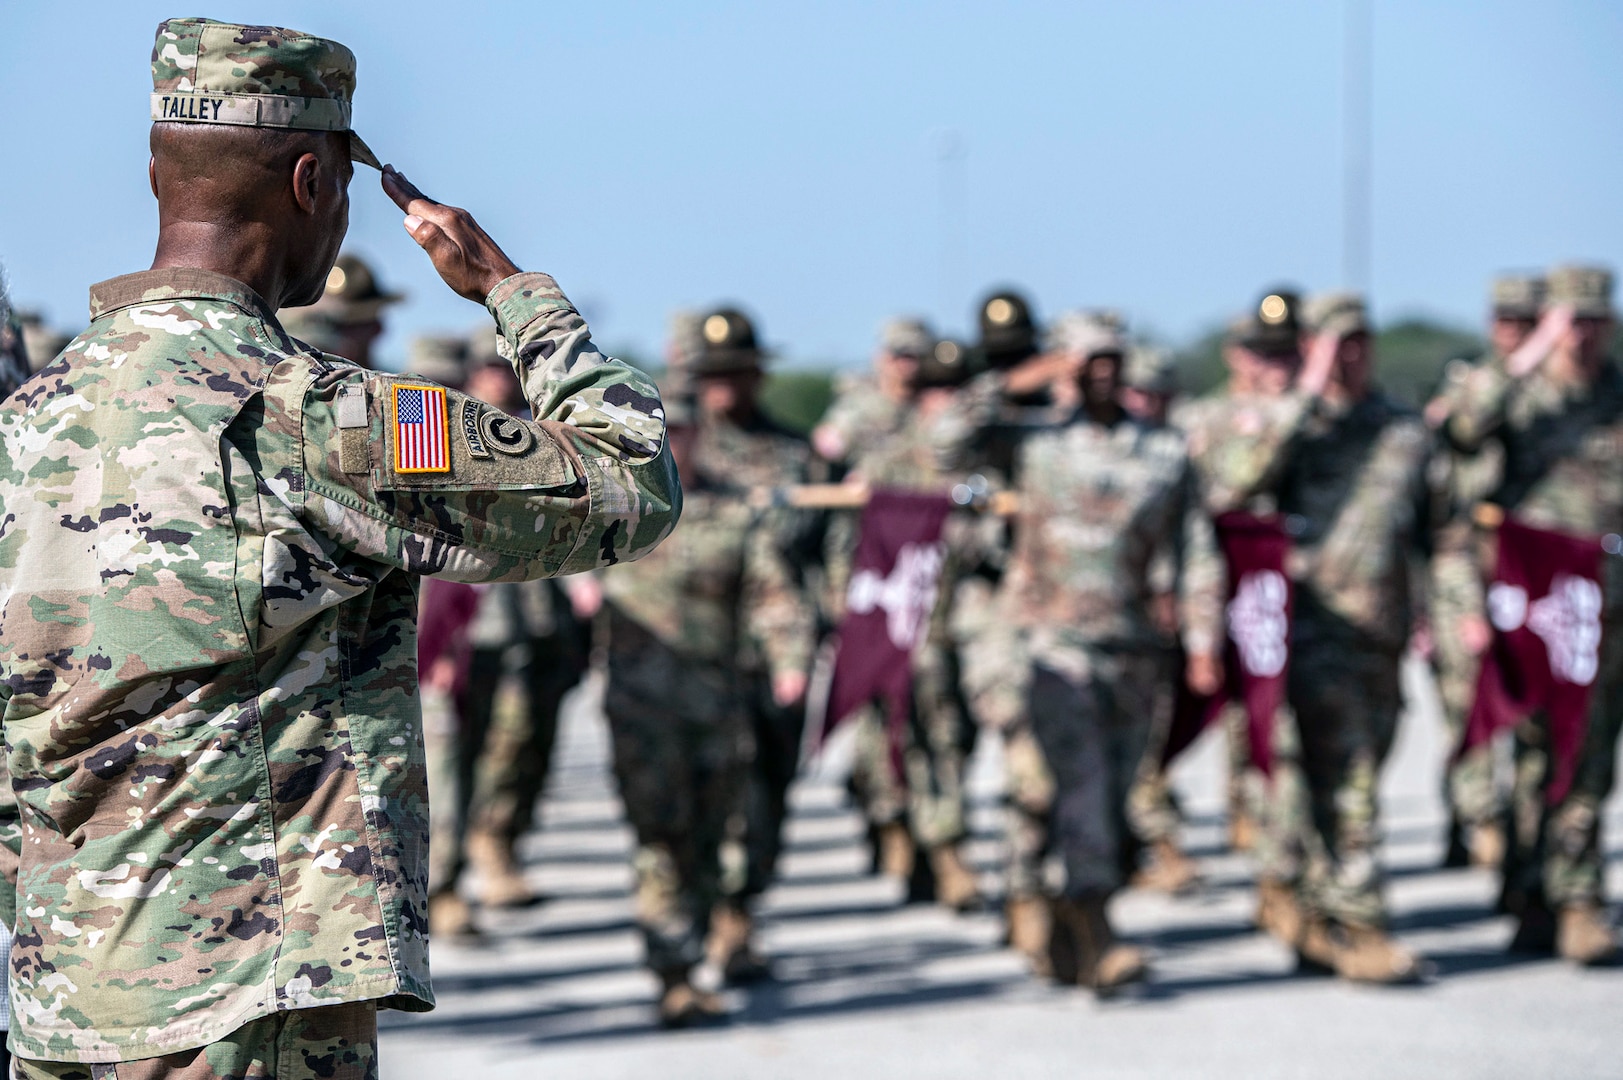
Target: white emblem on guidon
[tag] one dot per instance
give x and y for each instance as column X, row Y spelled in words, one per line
column 1257, row 622
column 907, row 595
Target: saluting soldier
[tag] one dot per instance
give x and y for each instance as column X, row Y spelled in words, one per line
column 210, row 571
column 1555, row 407
column 1459, row 627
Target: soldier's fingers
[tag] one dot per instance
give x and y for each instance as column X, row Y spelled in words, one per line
column 401, row 190
column 432, row 239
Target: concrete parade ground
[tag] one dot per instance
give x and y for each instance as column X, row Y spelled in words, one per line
column 868, row 987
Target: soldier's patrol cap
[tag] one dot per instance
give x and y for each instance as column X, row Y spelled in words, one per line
column 207, row 72
column 1342, row 313
column 727, row 344
column 1150, row 368
column 680, row 409
column 440, row 357
column 685, row 339
column 41, row 341
column 906, row 337
column 1517, row 296
column 1087, row 334
column 1587, row 289
column 1006, row 325
column 946, row 364
column 1274, row 324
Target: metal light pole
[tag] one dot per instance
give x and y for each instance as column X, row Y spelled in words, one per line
column 1356, row 140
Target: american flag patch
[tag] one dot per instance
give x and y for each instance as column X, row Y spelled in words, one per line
column 421, row 441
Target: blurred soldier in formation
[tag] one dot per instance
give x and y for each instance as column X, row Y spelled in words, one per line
column 1347, row 467
column 995, row 664
column 1149, row 387
column 1082, row 599
column 680, row 631
column 522, row 652
column 348, row 319
column 1555, row 407
column 1234, row 438
column 736, row 439
column 922, row 809
column 1459, row 631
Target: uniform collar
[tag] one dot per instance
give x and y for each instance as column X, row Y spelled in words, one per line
column 176, row 283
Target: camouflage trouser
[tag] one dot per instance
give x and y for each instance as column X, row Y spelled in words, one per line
column 332, row 1042
column 682, row 747
column 1470, row 788
column 1277, row 801
column 930, row 793
column 1152, row 812
column 997, row 685
column 1346, row 699
column 1091, row 711
column 1556, row 851
column 488, row 755
column 778, row 732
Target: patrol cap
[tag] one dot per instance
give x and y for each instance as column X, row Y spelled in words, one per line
column 680, row 410
column 1588, row 289
column 1150, row 368
column 727, row 344
column 1087, row 334
column 1517, row 296
column 946, row 364
column 207, row 72
column 1341, row 313
column 1273, row 325
column 484, row 349
column 685, row 338
column 1007, row 327
column 41, row 342
column 906, row 337
column 440, row 357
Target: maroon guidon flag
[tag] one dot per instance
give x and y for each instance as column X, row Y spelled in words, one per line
column 1545, row 605
column 895, row 575
column 1258, row 649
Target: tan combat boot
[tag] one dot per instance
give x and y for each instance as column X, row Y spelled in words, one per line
column 1169, row 869
column 1487, row 846
column 1315, row 948
column 1242, row 831
column 1101, row 961
column 896, row 850
column 1583, row 936
column 955, row 885
column 449, row 918
column 1279, row 913
column 1028, row 931
column 501, row 884
column 731, row 946
column 681, row 1004
column 1366, row 954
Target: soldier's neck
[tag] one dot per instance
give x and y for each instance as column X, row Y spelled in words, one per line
column 249, row 254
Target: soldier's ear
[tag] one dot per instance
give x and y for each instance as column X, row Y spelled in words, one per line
column 152, row 175
column 306, row 182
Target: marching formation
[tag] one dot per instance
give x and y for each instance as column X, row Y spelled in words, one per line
column 1032, row 538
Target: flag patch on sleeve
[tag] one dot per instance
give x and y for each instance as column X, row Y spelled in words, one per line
column 422, row 441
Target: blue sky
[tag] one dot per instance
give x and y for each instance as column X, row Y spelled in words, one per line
column 1169, row 159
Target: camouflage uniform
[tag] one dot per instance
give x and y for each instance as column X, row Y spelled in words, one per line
column 207, row 608
column 678, row 703
column 1563, row 470
column 1081, row 593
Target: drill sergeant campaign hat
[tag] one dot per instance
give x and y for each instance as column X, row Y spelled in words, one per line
column 1587, row 289
column 906, row 337
column 1008, row 331
column 1340, row 313
column 727, row 344
column 1274, row 326
column 207, row 72
column 1517, row 296
column 945, row 365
